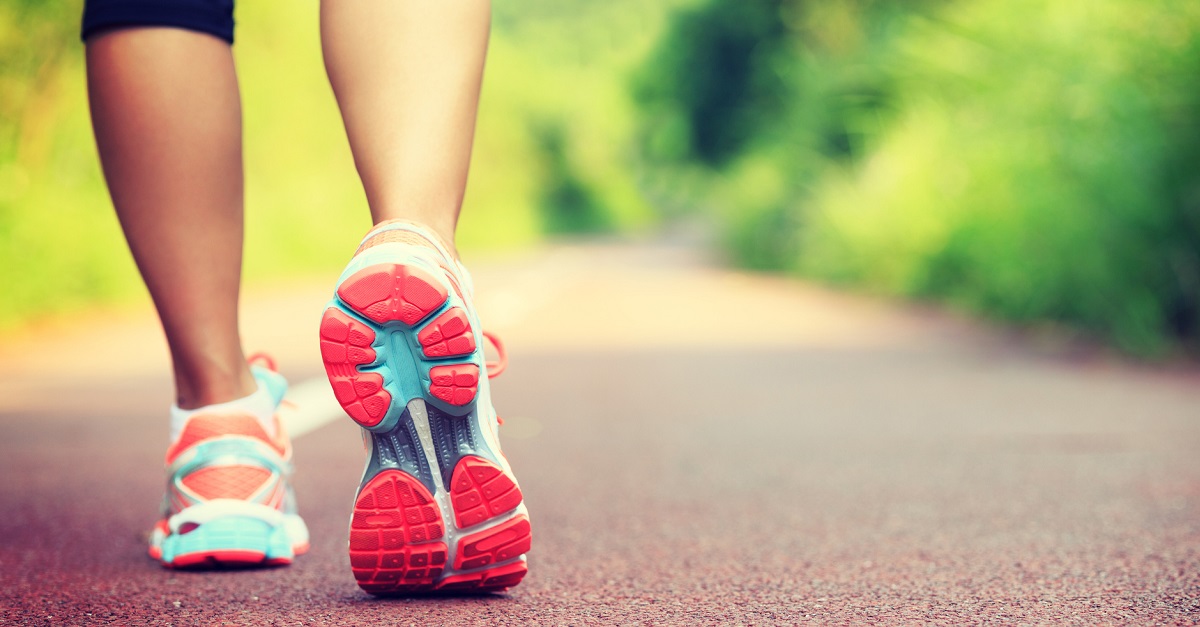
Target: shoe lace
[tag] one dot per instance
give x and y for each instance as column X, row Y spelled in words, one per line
column 494, row 368
column 264, row 360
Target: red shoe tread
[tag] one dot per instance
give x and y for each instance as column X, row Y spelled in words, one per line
column 456, row 384
column 388, row 292
column 345, row 345
column 503, row 542
column 395, row 536
column 490, row 580
column 448, row 335
column 480, row 491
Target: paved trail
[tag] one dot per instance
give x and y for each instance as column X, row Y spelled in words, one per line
column 696, row 446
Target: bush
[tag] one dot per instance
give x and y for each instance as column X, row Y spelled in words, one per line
column 1026, row 159
column 1043, row 168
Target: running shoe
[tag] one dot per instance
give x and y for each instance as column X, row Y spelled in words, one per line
column 229, row 498
column 438, row 508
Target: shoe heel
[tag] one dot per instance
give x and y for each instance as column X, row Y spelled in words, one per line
column 397, row 536
column 232, row 540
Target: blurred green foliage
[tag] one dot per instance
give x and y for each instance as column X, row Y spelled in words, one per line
column 59, row 246
column 1026, row 159
column 556, row 132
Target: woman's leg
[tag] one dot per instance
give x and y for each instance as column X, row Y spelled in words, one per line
column 167, row 117
column 406, row 74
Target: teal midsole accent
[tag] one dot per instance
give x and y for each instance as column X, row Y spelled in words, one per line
column 232, row 533
column 404, row 368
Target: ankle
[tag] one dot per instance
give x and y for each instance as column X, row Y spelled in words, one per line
column 259, row 405
column 210, row 387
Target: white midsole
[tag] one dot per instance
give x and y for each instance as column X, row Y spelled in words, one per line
column 215, row 509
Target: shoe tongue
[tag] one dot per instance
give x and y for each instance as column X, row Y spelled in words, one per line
column 272, row 381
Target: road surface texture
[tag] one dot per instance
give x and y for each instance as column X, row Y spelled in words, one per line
column 696, row 446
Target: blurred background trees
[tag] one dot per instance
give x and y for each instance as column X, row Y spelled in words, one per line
column 1026, row 160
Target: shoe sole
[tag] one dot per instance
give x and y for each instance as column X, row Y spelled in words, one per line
column 235, row 539
column 435, row 510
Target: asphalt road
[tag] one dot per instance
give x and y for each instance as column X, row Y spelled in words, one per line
column 695, row 446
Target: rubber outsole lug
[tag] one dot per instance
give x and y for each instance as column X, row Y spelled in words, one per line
column 505, row 541
column 480, row 491
column 393, row 292
column 496, row 579
column 396, row 535
column 346, row 345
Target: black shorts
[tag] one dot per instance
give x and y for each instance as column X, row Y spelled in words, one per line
column 214, row 17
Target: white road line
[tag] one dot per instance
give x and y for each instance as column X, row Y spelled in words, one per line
column 313, row 406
